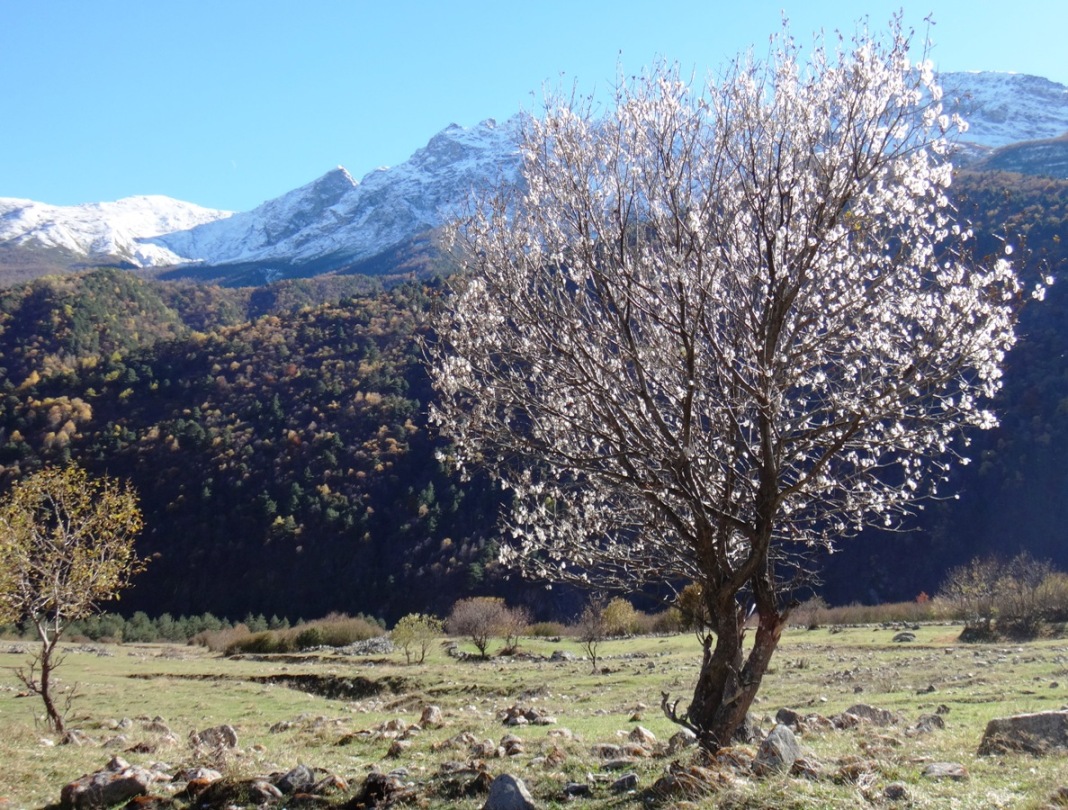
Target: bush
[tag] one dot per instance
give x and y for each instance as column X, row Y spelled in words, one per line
column 480, row 618
column 620, row 618
column 416, row 632
column 548, row 630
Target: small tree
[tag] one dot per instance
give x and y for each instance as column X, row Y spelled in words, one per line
column 416, row 632
column 719, row 328
column 592, row 628
column 66, row 547
column 479, row 618
column 620, row 617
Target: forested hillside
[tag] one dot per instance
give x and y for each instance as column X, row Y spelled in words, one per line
column 278, row 436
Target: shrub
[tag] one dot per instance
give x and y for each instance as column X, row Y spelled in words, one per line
column 479, row 618
column 416, row 632
column 620, row 618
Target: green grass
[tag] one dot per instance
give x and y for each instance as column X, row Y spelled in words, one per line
column 814, row 671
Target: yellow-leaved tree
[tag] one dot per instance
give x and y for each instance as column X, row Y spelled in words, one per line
column 66, row 547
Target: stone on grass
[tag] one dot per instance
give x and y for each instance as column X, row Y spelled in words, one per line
column 508, row 792
column 683, row 738
column 299, row 779
column 118, row 782
column 625, row 783
column 946, row 770
column 431, row 717
column 877, row 717
column 1039, row 733
column 642, row 736
column 904, row 637
column 895, row 792
column 215, row 737
column 778, row 751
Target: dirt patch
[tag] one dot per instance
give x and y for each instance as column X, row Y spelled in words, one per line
column 337, row 687
column 334, row 687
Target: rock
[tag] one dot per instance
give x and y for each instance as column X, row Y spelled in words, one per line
column 625, row 783
column 1039, row 733
column 378, row 789
column 606, row 751
column 946, row 770
column 563, row 655
column 242, row 793
column 895, row 792
column 508, row 792
column 76, row 738
column 300, row 779
column 619, row 764
column 903, row 637
column 683, row 738
column 788, row 717
column 216, row 737
column 926, row 724
column 576, row 790
column 398, row 747
column 878, row 717
column 431, row 717
column 748, row 731
column 118, row 782
column 778, row 751
column 642, row 736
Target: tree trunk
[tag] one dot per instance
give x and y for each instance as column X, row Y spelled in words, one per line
column 55, row 719
column 729, row 680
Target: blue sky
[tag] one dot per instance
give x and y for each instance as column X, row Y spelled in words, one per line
column 228, row 103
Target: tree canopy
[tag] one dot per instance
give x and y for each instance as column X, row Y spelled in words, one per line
column 722, row 325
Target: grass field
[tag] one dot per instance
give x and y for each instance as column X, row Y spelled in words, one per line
column 123, row 688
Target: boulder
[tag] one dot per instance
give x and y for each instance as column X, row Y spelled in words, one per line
column 1039, row 733
column 946, row 770
column 878, row 717
column 642, row 736
column 904, row 637
column 215, row 737
column 431, row 717
column 117, row 782
column 625, row 783
column 508, row 792
column 299, row 779
column 778, row 751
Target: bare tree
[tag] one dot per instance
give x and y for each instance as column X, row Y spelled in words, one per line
column 719, row 327
column 592, row 628
column 480, row 618
column 66, row 546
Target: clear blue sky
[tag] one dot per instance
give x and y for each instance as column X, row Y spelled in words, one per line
column 228, row 103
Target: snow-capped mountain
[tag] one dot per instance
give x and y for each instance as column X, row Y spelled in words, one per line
column 338, row 217
column 1006, row 108
column 112, row 230
column 337, row 222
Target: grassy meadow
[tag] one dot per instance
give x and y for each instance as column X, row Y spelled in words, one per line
column 821, row 671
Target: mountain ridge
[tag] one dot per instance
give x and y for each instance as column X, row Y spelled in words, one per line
column 336, row 223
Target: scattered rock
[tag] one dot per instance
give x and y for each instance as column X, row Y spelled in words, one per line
column 683, row 738
column 1039, row 734
column 778, row 751
column 946, row 770
column 625, row 783
column 508, row 792
column 642, row 736
column 240, row 792
column 878, row 717
column 748, row 731
column 217, row 737
column 895, row 792
column 431, row 717
column 117, row 782
column 378, row 789
column 577, row 790
column 926, row 724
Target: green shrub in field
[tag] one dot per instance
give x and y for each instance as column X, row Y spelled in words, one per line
column 620, row 618
column 415, row 633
